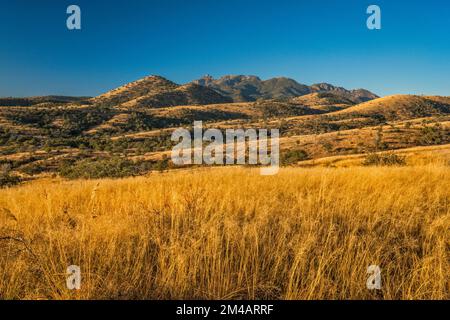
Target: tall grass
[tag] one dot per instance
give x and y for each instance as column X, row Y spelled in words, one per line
column 230, row 234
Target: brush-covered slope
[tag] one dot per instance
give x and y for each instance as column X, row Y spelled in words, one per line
column 324, row 101
column 190, row 94
column 400, row 107
column 136, row 89
column 156, row 91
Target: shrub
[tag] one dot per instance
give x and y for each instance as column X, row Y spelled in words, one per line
column 110, row 168
column 6, row 178
column 96, row 169
column 293, row 156
column 386, row 159
column 432, row 135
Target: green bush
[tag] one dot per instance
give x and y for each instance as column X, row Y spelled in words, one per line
column 433, row 135
column 293, row 156
column 110, row 168
column 386, row 159
column 96, row 169
column 6, row 178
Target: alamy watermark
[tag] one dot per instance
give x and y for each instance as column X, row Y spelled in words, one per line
column 73, row 281
column 227, row 148
column 73, row 22
column 374, row 280
column 374, row 20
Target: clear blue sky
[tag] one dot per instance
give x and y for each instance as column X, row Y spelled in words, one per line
column 310, row 41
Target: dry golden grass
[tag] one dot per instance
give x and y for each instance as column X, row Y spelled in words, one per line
column 417, row 156
column 231, row 234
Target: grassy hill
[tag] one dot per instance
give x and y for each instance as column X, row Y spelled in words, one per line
column 325, row 101
column 156, row 92
column 190, row 94
column 136, row 89
column 400, row 107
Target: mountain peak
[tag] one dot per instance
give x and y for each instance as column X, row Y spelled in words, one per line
column 205, row 80
column 235, row 79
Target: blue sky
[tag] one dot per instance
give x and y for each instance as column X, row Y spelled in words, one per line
column 310, row 41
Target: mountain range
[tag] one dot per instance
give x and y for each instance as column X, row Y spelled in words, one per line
column 158, row 92
column 241, row 88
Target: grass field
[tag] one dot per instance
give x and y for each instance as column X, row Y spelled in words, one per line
column 229, row 233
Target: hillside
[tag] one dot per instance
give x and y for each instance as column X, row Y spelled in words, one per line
column 190, row 94
column 156, row 92
column 325, row 101
column 399, row 107
column 136, row 89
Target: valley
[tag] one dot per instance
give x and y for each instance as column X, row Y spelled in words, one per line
column 128, row 129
